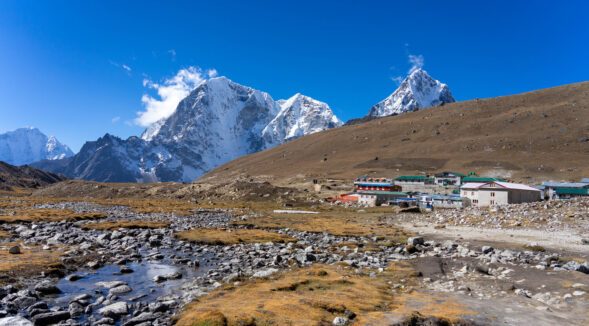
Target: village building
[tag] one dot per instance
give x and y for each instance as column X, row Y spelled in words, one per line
column 448, row 178
column 377, row 197
column 496, row 193
column 564, row 190
column 447, row 201
column 416, row 183
column 371, row 184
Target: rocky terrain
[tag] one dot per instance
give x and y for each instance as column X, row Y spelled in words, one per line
column 123, row 267
column 25, row 177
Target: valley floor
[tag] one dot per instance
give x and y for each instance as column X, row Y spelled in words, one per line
column 161, row 262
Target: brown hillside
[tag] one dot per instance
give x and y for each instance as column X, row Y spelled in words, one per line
column 526, row 137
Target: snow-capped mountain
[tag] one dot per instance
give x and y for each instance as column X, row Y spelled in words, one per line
column 299, row 115
column 417, row 91
column 218, row 121
column 27, row 145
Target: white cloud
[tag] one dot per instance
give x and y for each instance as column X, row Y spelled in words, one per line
column 212, row 73
column 115, row 119
column 169, row 93
column 416, row 62
column 123, row 66
column 172, row 53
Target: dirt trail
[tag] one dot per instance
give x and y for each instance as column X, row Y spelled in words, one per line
column 565, row 240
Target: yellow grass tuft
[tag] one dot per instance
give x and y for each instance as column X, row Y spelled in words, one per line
column 31, row 261
column 306, row 296
column 232, row 236
column 47, row 215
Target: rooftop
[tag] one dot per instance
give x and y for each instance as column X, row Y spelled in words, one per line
column 480, row 179
column 572, row 191
column 505, row 185
column 412, row 177
column 551, row 184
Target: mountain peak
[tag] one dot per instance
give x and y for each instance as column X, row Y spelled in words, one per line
column 299, row 115
column 28, row 145
column 417, row 91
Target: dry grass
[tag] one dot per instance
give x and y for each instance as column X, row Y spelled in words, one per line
column 137, row 224
column 231, row 236
column 47, row 215
column 337, row 222
column 32, row 261
column 309, row 296
column 4, row 234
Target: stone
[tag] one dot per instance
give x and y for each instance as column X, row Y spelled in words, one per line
column 15, row 321
column 265, row 272
column 110, row 284
column 73, row 277
column 115, row 310
column 104, row 321
column 24, row 302
column 51, row 318
column 46, row 287
column 14, row 250
column 579, row 293
column 120, row 290
column 140, row 319
column 487, row 249
column 126, row 270
column 165, row 277
column 415, row 241
column 75, row 309
column 340, row 321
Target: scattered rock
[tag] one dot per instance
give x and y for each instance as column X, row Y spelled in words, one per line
column 115, row 310
column 50, row 318
column 14, row 250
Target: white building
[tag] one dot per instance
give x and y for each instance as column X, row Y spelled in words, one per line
column 499, row 193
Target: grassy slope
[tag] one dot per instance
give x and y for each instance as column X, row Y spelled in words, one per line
column 526, row 137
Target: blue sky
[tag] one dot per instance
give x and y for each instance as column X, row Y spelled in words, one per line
column 76, row 69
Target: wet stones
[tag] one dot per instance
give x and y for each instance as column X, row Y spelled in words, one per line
column 119, row 290
column 15, row 321
column 115, row 310
column 46, row 288
column 111, row 284
column 50, row 318
column 166, row 277
column 73, row 277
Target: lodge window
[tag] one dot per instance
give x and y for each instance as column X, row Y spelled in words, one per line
column 492, row 194
column 492, row 202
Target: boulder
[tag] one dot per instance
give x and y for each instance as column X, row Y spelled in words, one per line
column 46, row 287
column 415, row 241
column 15, row 321
column 115, row 310
column 14, row 250
column 50, row 318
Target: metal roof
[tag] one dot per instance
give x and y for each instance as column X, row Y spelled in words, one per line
column 572, row 191
column 505, row 185
column 412, row 177
column 479, row 179
column 382, row 192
